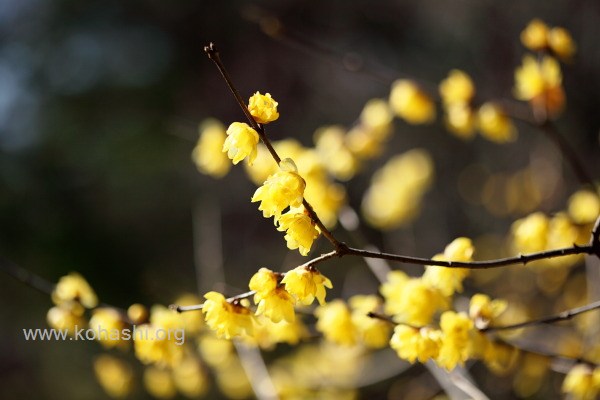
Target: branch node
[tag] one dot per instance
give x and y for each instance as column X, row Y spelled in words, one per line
column 211, row 50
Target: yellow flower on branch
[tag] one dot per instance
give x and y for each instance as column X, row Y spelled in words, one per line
column 373, row 332
column 449, row 280
column 282, row 189
column 241, row 142
column 271, row 298
column 225, row 318
column 410, row 103
column 540, row 83
column 300, row 230
column 483, row 310
column 74, row 287
column 455, row 349
column 582, row 383
column 306, row 284
column 413, row 344
column 263, row 108
column 561, row 43
column 494, row 124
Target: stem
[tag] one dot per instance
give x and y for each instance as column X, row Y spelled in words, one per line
column 520, row 259
column 27, row 277
column 213, row 53
column 562, row 316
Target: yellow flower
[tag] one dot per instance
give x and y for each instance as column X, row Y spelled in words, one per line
column 501, row 358
column 306, row 284
column 484, row 310
column 334, row 321
column 413, row 344
column 561, row 43
column 540, row 83
column 300, row 230
column 263, row 108
column 330, row 143
column 391, row 202
column 108, row 324
column 410, row 103
column 67, row 316
column 377, row 117
column 457, row 88
column 115, row 376
column 73, row 287
column 208, row 155
column 449, row 280
column 455, row 349
column 535, row 35
column 272, row 300
column 190, row 379
column 581, row 383
column 460, row 120
column 584, row 207
column 494, row 125
column 241, row 142
column 225, row 318
column 410, row 300
column 268, row 333
column 530, row 234
column 373, row 332
column 282, row 189
column 159, row 383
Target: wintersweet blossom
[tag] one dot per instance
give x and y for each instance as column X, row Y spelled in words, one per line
column 535, row 35
column 455, row 349
column 334, row 321
column 410, row 103
column 413, row 344
column 306, row 284
column 483, row 310
column 225, row 318
column 457, row 88
column 300, row 230
column 540, row 83
column 241, row 142
column 494, row 124
column 271, row 299
column 207, row 154
column 449, row 280
column 263, row 108
column 372, row 332
column 282, row 189
column 582, row 382
column 74, row 287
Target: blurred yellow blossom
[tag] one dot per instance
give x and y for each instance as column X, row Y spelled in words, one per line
column 457, row 88
column 413, row 344
column 190, row 378
column 535, row 35
column 263, row 108
column 391, row 202
column 207, row 154
column 159, row 383
column 584, row 206
column 372, row 332
column 561, row 43
column 108, row 324
column 330, row 143
column 334, row 321
column 410, row 103
column 540, row 83
column 67, row 316
column 449, row 280
column 530, row 233
column 460, row 120
column 241, row 142
column 74, row 287
column 306, row 284
column 377, row 117
column 282, row 189
column 114, row 375
column 582, row 383
column 494, row 124
column 300, row 230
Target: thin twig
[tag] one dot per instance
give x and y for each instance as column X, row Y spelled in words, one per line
column 195, row 307
column 562, row 316
column 27, row 277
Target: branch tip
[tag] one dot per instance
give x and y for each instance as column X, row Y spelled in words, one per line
column 211, row 50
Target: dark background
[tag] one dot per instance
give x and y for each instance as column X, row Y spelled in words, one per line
column 99, row 107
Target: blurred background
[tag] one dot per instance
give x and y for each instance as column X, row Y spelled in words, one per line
column 100, row 103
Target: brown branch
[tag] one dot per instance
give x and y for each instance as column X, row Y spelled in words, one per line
column 562, row 316
column 501, row 262
column 27, row 277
